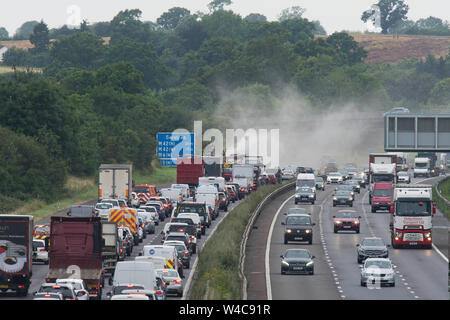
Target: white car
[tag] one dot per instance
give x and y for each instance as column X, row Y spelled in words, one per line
column 154, row 213
column 102, row 209
column 39, row 252
column 377, row 271
column 135, row 200
column 114, row 202
column 287, row 174
column 334, row 177
column 403, row 177
column 131, row 296
column 78, row 286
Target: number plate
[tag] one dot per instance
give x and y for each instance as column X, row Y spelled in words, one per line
column 297, row 268
column 298, row 238
column 3, row 286
column 347, row 227
column 342, row 201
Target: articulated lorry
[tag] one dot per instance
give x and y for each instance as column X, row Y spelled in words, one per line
column 115, row 182
column 382, row 168
column 76, row 252
column 189, row 169
column 16, row 253
column 111, row 246
column 411, row 216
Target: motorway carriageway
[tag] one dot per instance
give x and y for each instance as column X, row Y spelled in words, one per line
column 420, row 273
column 40, row 270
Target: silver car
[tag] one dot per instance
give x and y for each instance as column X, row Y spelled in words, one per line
column 403, row 177
column 377, row 271
column 174, row 284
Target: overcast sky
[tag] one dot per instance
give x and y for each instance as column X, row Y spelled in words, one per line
column 334, row 15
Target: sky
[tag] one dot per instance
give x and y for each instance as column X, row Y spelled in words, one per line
column 334, row 15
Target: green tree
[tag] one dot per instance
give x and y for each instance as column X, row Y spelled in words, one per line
column 25, row 30
column 4, row 35
column 171, row 19
column 346, row 44
column 218, row 5
column 102, row 29
column 295, row 12
column 81, row 50
column 440, row 95
column 192, row 33
column 40, row 38
column 256, row 17
column 388, row 13
column 121, row 76
column 128, row 24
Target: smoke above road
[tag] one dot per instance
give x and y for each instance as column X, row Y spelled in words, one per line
column 309, row 135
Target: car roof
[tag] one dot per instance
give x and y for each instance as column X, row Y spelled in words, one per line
column 297, row 249
column 378, row 259
column 170, row 242
column 298, row 215
column 347, row 210
column 176, row 234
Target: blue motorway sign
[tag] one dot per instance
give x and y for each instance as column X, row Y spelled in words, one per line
column 174, row 145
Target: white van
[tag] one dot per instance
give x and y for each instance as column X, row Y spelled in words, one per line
column 306, row 179
column 220, row 181
column 158, row 262
column 168, row 252
column 184, row 189
column 135, row 272
column 210, row 199
column 173, row 194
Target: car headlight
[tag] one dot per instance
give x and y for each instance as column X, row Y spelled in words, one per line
column 352, row 193
column 297, row 195
column 398, row 234
column 334, row 198
column 288, row 230
column 285, row 263
column 338, row 222
column 309, row 264
column 350, row 198
column 308, row 231
column 428, row 235
column 356, row 222
column 311, row 196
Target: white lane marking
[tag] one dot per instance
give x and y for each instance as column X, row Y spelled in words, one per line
column 269, row 240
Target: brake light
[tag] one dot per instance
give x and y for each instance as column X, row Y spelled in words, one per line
column 176, row 281
column 42, row 249
column 121, row 250
column 186, row 252
column 192, row 237
column 54, row 287
column 100, row 192
column 159, row 292
column 130, row 286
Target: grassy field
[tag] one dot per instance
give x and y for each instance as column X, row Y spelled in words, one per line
column 218, row 264
column 444, row 189
column 85, row 189
column 389, row 48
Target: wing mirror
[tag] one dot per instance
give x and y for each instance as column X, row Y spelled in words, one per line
column 110, row 282
column 140, row 254
column 81, row 293
column 283, row 223
column 357, row 245
column 392, row 208
column 334, row 216
column 313, row 257
column 359, row 217
column 282, row 257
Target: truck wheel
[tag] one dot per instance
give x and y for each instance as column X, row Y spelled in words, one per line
column 226, row 208
column 351, row 204
column 310, row 241
column 357, row 231
column 285, row 241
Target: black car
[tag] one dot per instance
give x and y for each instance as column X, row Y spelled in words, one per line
column 354, row 184
column 224, row 201
column 343, row 198
column 190, row 230
column 297, row 261
column 305, row 194
column 361, row 181
column 372, row 248
column 190, row 222
column 298, row 227
column 320, row 184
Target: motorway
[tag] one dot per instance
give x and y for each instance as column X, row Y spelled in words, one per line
column 420, row 273
column 40, row 270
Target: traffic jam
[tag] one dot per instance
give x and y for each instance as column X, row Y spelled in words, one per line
column 136, row 243
column 388, row 183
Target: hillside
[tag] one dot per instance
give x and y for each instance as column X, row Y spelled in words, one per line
column 387, row 48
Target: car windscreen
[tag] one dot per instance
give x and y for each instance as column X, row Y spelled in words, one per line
column 119, row 289
column 382, row 264
column 175, row 238
column 334, row 174
column 308, row 183
column 141, row 189
column 402, row 173
column 191, row 209
column 184, row 220
column 319, row 180
column 156, row 205
column 37, row 244
column 346, row 215
column 75, row 285
column 304, row 190
column 174, row 227
column 167, row 273
column 413, row 207
column 382, row 178
column 297, row 254
column 421, row 165
column 298, row 220
column 66, row 292
column 373, row 242
column 103, row 205
column 148, row 209
column 382, row 192
column 113, row 203
column 343, row 194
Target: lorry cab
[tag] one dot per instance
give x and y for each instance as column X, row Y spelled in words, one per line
column 381, row 196
column 421, row 167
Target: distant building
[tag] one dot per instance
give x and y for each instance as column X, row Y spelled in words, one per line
column 2, row 52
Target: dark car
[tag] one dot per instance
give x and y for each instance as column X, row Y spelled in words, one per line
column 301, row 170
column 297, row 261
column 361, row 181
column 180, row 236
column 298, row 227
column 346, row 187
column 167, row 204
column 342, row 197
column 305, row 194
column 346, row 220
column 159, row 207
column 191, row 231
column 224, row 201
column 297, row 210
column 372, row 247
column 354, row 184
column 309, row 170
column 194, row 207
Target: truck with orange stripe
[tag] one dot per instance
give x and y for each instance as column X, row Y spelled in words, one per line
column 125, row 217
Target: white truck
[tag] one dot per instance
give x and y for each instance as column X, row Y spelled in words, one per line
column 242, row 174
column 306, row 179
column 411, row 216
column 422, row 167
column 219, row 181
column 115, row 182
column 173, row 194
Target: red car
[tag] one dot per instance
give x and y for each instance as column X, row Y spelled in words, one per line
column 346, row 220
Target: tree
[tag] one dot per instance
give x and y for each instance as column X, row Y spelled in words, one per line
column 40, row 38
column 291, row 13
column 128, row 24
column 4, row 35
column 84, row 26
column 256, row 17
column 218, row 5
column 171, row 20
column 25, row 30
column 389, row 13
column 345, row 44
column 440, row 95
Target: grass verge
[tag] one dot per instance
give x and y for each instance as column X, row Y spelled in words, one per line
column 444, row 189
column 218, row 264
column 81, row 190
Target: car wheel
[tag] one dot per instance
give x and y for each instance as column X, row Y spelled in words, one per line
column 187, row 266
column 285, row 241
column 312, row 202
column 282, row 272
column 357, row 231
column 362, row 284
column 359, row 260
column 374, row 210
column 226, row 208
column 335, row 230
column 194, row 250
column 4, row 290
column 334, row 205
column 46, row 262
column 351, row 204
column 312, row 272
column 310, row 241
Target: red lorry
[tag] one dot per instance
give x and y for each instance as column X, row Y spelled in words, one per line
column 189, row 169
column 76, row 252
column 382, row 196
